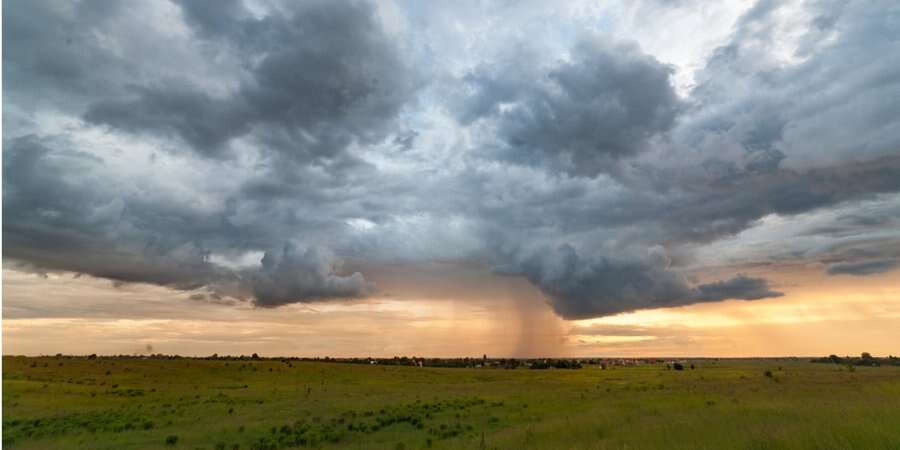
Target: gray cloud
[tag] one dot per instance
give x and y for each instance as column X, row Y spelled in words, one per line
column 761, row 92
column 739, row 287
column 47, row 47
column 57, row 222
column 291, row 275
column 319, row 76
column 581, row 287
column 204, row 122
column 862, row 268
column 182, row 152
column 581, row 115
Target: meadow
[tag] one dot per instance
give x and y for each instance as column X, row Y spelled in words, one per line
column 81, row 403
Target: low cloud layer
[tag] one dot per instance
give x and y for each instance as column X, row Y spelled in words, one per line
column 582, row 288
column 274, row 152
column 861, row 268
column 290, row 275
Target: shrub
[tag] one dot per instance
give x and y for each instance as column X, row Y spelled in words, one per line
column 171, row 439
column 768, row 374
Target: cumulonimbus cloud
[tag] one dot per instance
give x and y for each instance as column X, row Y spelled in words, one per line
column 579, row 116
column 581, row 288
column 188, row 156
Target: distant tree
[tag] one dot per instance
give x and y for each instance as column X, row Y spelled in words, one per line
column 540, row 365
column 677, row 366
column 254, row 356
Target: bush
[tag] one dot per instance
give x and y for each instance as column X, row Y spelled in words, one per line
column 171, row 439
column 768, row 374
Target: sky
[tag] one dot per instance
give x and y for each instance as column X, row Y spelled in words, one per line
column 511, row 178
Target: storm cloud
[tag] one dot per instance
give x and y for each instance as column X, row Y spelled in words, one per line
column 273, row 152
column 861, row 268
column 290, row 275
column 580, row 115
column 582, row 288
column 316, row 77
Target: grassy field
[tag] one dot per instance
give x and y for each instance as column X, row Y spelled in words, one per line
column 77, row 403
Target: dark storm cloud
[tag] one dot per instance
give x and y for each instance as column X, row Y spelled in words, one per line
column 861, row 268
column 739, row 287
column 664, row 206
column 703, row 209
column 290, row 275
column 320, row 76
column 59, row 221
column 225, row 17
column 580, row 115
column 48, row 48
column 204, row 122
column 581, row 287
column 282, row 142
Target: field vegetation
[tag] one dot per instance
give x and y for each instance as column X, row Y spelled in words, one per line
column 215, row 404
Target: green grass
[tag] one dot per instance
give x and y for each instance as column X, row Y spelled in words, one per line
column 72, row 403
